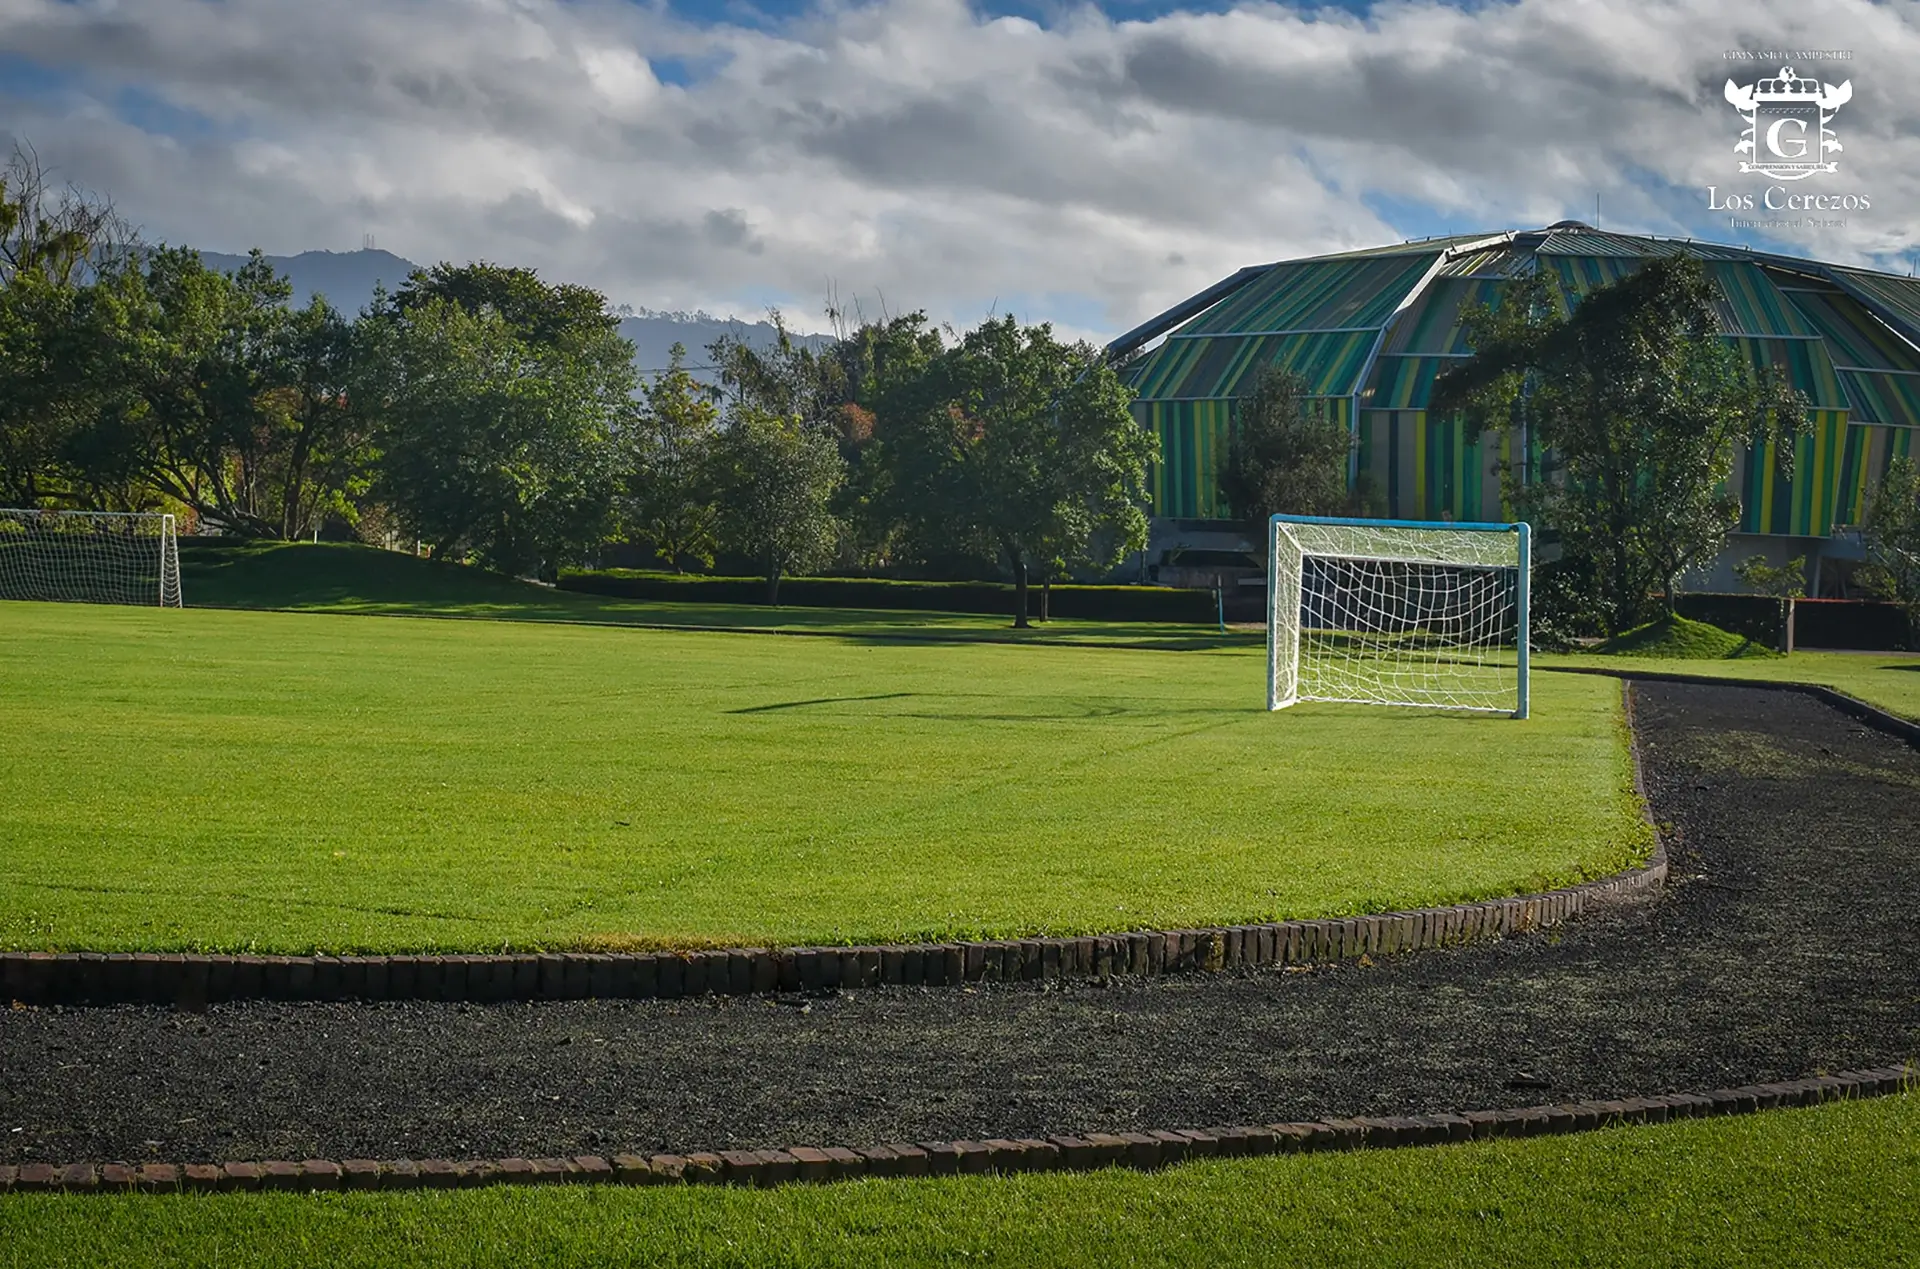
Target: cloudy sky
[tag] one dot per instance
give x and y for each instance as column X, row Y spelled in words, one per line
column 1078, row 163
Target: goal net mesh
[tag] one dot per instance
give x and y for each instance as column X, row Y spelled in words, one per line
column 89, row 557
column 1395, row 615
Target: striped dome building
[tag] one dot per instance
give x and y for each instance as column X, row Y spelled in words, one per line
column 1370, row 331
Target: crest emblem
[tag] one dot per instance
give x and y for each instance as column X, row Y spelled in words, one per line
column 1787, row 136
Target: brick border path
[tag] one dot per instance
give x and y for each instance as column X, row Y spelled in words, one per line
column 1140, row 1150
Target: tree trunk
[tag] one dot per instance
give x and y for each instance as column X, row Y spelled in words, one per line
column 773, row 583
column 1019, row 591
column 1046, row 598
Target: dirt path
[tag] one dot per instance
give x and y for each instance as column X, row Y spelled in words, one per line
column 1788, row 943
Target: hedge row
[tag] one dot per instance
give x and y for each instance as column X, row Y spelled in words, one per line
column 1100, row 603
column 1855, row 624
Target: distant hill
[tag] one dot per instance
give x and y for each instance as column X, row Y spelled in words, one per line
column 347, row 279
column 654, row 334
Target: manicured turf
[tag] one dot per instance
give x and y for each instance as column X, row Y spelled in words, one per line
column 1830, row 1185
column 334, row 577
column 220, row 779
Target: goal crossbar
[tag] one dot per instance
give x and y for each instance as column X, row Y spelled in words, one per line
column 1420, row 613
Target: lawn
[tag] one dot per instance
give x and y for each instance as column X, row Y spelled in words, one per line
column 345, row 578
column 205, row 779
column 1890, row 680
column 1830, row 1185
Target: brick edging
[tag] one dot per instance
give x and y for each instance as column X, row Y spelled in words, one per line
column 194, row 981
column 1143, row 1150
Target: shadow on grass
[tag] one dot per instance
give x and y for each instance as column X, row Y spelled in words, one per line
column 822, row 700
column 951, row 707
column 366, row 581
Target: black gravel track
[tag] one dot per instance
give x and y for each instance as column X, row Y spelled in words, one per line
column 1785, row 944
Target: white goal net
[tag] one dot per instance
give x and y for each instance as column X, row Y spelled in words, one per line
column 1387, row 612
column 89, row 557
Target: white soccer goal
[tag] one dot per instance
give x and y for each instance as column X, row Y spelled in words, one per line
column 1397, row 612
column 89, row 557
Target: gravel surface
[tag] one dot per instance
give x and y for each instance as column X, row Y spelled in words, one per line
column 1785, row 944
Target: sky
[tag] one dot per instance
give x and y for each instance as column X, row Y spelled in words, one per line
column 1083, row 164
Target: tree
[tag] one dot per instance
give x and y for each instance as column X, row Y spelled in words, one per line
column 669, row 496
column 232, row 403
column 789, row 378
column 557, row 316
column 502, row 401
column 1783, row 582
column 1891, row 536
column 493, row 447
column 62, row 256
column 776, row 482
column 327, row 450
column 1639, row 405
column 63, row 237
column 870, row 363
column 1016, row 447
column 1283, row 457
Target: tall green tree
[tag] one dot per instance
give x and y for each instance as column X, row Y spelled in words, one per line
column 502, row 401
column 787, row 378
column 63, row 256
column 558, row 315
column 669, row 497
column 1017, row 447
column 873, row 362
column 493, row 447
column 205, row 366
column 1640, row 405
column 776, row 482
column 1891, row 535
column 1282, row 457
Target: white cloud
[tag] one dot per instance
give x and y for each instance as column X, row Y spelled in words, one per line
column 913, row 148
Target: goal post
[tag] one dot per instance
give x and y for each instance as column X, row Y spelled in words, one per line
column 1398, row 612
column 90, row 557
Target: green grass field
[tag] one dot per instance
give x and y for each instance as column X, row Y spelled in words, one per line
column 1829, row 1185
column 291, row 781
column 278, row 781
column 343, row 578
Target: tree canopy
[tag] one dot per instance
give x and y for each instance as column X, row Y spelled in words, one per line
column 496, row 417
column 1012, row 445
column 776, row 482
column 1891, row 535
column 1283, row 458
column 669, row 496
column 1638, row 405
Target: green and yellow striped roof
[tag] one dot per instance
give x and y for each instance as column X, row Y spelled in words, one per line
column 1371, row 331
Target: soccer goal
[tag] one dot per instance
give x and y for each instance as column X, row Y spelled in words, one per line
column 89, row 557
column 1397, row 612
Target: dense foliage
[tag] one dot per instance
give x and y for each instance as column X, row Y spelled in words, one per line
column 1637, row 405
column 1283, row 458
column 1892, row 538
column 490, row 416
